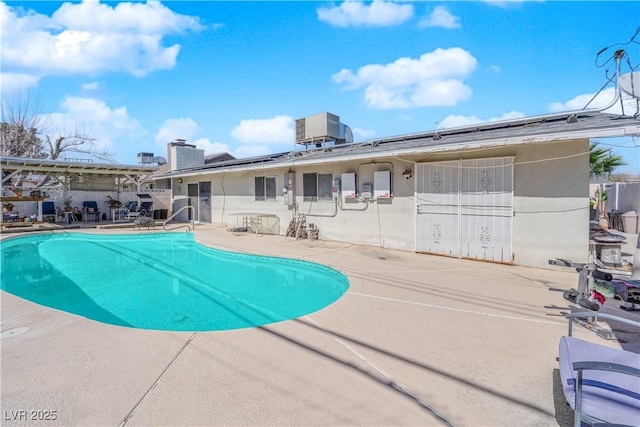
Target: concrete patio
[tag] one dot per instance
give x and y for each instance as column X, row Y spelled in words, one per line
column 416, row 340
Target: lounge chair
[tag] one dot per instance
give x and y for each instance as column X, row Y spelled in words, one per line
column 49, row 212
column 90, row 209
column 146, row 209
column 132, row 210
column 601, row 383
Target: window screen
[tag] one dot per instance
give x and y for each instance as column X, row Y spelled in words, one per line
column 265, row 188
column 192, row 190
column 324, row 186
column 317, row 186
column 270, row 188
column 309, row 187
column 259, row 188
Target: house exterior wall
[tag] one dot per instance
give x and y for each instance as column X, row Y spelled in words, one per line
column 161, row 199
column 551, row 203
column 550, row 200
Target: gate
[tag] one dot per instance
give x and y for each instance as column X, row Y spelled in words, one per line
column 465, row 208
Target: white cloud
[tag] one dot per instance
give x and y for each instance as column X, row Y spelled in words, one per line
column 151, row 17
column 256, row 137
column 603, row 99
column 357, row 14
column 188, row 129
column 277, row 130
column 17, row 82
column 506, row 3
column 93, row 118
column 90, row 86
column 360, row 134
column 455, row 121
column 433, row 79
column 211, row 147
column 172, row 129
column 495, row 69
column 251, row 150
column 440, row 17
column 91, row 37
column 579, row 102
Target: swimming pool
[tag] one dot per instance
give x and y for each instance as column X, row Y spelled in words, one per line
column 163, row 281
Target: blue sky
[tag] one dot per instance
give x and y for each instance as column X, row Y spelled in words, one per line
column 234, row 76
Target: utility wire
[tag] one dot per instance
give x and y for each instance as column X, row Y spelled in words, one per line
column 618, row 56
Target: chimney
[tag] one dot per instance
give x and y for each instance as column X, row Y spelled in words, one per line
column 181, row 155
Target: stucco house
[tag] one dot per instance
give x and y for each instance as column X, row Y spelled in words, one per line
column 514, row 192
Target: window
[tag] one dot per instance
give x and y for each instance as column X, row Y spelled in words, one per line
column 317, row 186
column 265, row 187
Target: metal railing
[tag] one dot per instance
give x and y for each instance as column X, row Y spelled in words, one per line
column 193, row 221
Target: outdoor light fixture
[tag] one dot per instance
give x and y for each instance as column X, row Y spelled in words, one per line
column 179, row 180
column 407, row 173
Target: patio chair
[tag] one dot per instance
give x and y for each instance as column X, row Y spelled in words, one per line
column 59, row 214
column 49, row 212
column 601, row 383
column 90, row 209
column 132, row 210
column 146, row 209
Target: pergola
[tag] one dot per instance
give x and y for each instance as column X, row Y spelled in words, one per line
column 65, row 170
column 79, row 174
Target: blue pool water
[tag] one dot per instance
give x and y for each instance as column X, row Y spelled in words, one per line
column 163, row 281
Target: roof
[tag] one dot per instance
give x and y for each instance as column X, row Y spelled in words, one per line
column 528, row 130
column 218, row 157
column 71, row 167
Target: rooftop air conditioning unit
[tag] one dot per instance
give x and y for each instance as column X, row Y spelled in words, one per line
column 146, row 158
column 323, row 126
column 346, row 136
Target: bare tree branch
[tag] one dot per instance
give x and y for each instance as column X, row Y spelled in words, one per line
column 19, row 128
column 24, row 133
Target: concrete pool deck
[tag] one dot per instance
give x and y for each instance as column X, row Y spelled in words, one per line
column 416, row 340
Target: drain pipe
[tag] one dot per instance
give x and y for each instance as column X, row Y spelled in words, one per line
column 366, row 206
column 335, row 211
column 635, row 272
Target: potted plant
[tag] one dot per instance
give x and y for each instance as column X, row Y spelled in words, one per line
column 113, row 203
column 67, row 204
column 17, row 191
column 597, row 202
column 7, row 207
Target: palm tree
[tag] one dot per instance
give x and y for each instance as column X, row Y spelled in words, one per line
column 602, row 162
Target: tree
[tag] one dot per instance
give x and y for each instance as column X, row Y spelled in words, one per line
column 602, row 162
column 18, row 140
column 24, row 133
column 19, row 130
column 73, row 142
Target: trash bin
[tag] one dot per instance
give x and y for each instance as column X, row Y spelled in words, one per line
column 630, row 222
column 160, row 213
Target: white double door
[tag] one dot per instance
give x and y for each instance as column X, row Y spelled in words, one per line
column 465, row 208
